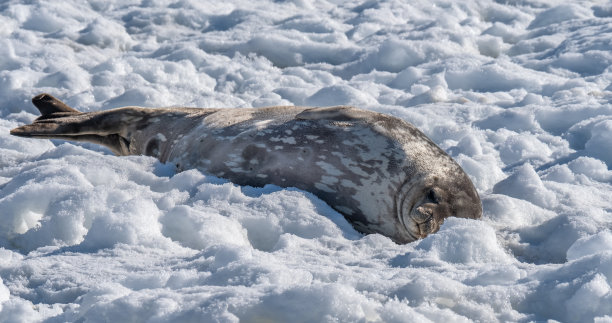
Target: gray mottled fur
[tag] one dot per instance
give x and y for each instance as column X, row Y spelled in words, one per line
column 381, row 172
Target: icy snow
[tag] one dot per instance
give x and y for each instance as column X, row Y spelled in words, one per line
column 518, row 92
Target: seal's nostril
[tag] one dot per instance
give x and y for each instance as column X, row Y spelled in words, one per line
column 422, row 215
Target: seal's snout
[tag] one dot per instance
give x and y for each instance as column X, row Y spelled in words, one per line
column 425, row 218
column 440, row 202
column 423, row 213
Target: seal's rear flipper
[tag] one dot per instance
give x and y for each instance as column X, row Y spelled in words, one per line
column 55, row 120
column 59, row 121
column 50, row 107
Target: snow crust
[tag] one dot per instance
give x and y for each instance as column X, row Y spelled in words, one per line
column 518, row 92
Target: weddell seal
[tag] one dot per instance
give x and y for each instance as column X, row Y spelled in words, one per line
column 383, row 174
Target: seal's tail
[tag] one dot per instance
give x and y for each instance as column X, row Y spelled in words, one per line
column 59, row 121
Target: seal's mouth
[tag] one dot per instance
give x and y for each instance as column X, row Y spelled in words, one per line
column 420, row 222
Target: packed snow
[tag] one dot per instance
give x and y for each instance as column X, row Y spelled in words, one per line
column 518, row 92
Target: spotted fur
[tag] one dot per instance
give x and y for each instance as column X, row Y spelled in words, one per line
column 383, row 174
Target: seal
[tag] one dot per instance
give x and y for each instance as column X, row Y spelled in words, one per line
column 382, row 173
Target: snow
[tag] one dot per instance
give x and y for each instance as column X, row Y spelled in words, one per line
column 518, row 92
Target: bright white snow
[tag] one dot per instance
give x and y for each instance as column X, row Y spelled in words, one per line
column 518, row 92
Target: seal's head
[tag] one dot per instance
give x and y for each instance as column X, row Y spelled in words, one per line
column 437, row 199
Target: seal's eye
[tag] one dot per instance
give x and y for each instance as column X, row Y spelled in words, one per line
column 431, row 195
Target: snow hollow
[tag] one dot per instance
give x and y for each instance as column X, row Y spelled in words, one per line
column 518, row 92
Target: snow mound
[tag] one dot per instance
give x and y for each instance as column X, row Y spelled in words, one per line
column 517, row 92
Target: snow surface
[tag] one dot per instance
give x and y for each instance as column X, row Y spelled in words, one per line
column 518, row 92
